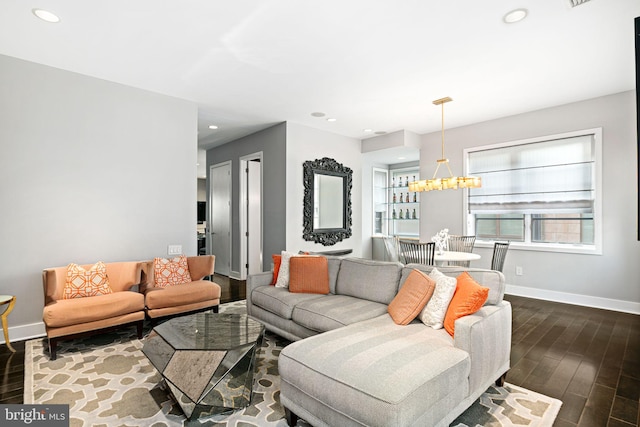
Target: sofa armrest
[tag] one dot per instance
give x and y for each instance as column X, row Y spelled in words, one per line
column 486, row 336
column 201, row 266
column 254, row 281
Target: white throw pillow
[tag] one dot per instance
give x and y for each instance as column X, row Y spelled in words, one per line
column 283, row 274
column 434, row 312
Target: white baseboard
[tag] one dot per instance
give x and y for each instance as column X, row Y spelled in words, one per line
column 235, row 275
column 25, row 332
column 576, row 299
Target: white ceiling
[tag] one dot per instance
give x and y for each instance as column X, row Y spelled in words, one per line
column 375, row 64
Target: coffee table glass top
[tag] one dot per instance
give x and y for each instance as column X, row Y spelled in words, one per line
column 210, row 331
column 207, row 360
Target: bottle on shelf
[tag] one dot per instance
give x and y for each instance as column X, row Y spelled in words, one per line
column 407, row 197
column 393, row 182
column 401, row 198
column 406, row 181
column 415, row 197
column 394, row 197
column 414, row 216
column 400, row 216
column 394, row 215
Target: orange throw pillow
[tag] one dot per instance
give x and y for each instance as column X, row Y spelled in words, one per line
column 468, row 298
column 411, row 298
column 309, row 275
column 171, row 272
column 277, row 260
column 86, row 283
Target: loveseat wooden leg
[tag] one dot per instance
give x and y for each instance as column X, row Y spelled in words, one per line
column 216, row 308
column 53, row 347
column 500, row 381
column 139, row 326
column 292, row 419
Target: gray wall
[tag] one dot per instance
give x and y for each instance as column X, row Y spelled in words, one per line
column 607, row 280
column 305, row 143
column 89, row 170
column 272, row 143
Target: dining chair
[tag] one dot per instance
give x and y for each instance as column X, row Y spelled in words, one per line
column 391, row 247
column 461, row 244
column 499, row 254
column 412, row 252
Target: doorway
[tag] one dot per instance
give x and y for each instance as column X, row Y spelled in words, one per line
column 251, row 256
column 219, row 224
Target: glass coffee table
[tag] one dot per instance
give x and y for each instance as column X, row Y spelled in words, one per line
column 207, row 360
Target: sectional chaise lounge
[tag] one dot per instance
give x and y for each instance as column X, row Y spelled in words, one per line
column 352, row 365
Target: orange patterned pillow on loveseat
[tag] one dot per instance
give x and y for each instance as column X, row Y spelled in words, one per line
column 171, row 272
column 86, row 283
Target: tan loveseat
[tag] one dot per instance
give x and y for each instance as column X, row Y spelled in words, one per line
column 180, row 299
column 72, row 318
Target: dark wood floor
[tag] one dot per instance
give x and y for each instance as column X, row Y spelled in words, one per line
column 586, row 357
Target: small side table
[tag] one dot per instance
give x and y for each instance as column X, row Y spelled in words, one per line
column 11, row 300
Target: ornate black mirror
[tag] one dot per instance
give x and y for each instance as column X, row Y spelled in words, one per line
column 327, row 201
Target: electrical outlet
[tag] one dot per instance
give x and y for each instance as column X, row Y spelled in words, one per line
column 174, row 249
column 518, row 271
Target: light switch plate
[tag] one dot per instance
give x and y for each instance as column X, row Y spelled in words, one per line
column 174, row 249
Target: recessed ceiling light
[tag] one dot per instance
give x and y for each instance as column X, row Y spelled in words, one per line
column 514, row 16
column 331, row 119
column 401, row 158
column 367, row 130
column 213, row 127
column 45, row 15
column 380, row 132
column 318, row 114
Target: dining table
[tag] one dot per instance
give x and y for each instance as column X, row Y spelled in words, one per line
column 454, row 256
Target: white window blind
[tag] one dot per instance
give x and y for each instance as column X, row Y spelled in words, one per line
column 549, row 176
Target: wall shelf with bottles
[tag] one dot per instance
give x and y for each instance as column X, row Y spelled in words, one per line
column 403, row 205
column 396, row 210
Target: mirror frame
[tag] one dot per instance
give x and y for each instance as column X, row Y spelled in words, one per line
column 326, row 166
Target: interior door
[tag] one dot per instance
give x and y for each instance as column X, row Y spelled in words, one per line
column 220, row 216
column 254, row 217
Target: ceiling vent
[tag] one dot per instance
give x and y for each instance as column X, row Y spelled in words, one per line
column 574, row 3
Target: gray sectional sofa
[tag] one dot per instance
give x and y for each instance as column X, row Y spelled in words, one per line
column 351, row 365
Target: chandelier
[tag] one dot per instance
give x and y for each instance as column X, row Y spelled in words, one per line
column 450, row 183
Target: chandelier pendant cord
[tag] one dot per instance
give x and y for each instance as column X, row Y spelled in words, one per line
column 442, row 159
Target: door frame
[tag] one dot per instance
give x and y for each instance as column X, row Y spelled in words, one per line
column 210, row 211
column 244, row 239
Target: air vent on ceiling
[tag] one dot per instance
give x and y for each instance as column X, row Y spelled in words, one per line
column 574, row 3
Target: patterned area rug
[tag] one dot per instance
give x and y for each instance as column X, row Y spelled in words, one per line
column 107, row 381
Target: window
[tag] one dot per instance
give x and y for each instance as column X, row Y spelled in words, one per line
column 541, row 193
column 380, row 207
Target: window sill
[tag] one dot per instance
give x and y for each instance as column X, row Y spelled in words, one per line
column 546, row 247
